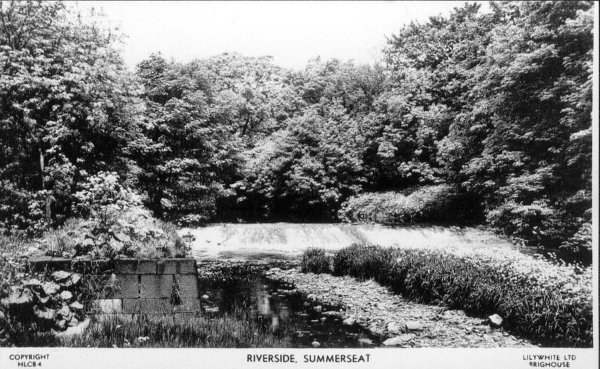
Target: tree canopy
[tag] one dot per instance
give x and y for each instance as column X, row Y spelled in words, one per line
column 494, row 108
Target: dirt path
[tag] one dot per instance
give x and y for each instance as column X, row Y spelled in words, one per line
column 388, row 315
column 283, row 240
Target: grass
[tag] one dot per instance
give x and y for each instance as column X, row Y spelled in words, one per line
column 239, row 329
column 546, row 302
column 229, row 331
column 314, row 260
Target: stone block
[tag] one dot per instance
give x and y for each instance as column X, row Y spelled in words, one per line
column 156, row 286
column 126, row 266
column 59, row 264
column 188, row 285
column 167, row 266
column 146, row 267
column 187, row 266
column 187, row 305
column 147, row 306
column 38, row 263
column 109, row 306
column 127, row 286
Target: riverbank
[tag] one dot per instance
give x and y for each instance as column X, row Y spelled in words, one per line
column 393, row 319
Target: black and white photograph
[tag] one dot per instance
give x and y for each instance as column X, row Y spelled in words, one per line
column 363, row 184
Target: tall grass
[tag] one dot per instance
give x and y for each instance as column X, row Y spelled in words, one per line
column 550, row 304
column 239, row 329
column 314, row 260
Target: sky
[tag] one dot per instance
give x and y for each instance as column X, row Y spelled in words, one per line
column 291, row 32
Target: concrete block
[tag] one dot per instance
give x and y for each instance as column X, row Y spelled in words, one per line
column 131, row 306
column 146, row 267
column 188, row 285
column 187, row 304
column 126, row 266
column 109, row 306
column 127, row 286
column 187, row 266
column 60, row 264
column 144, row 306
column 156, row 286
column 166, row 266
column 38, row 263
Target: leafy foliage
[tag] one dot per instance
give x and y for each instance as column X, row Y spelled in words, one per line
column 439, row 203
column 67, row 110
column 486, row 112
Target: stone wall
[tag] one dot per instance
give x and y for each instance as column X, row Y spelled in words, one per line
column 134, row 286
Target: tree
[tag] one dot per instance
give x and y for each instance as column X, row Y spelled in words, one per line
column 67, row 110
column 186, row 159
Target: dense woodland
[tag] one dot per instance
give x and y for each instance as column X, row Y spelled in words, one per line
column 479, row 117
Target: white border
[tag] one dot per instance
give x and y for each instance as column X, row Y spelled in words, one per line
column 64, row 358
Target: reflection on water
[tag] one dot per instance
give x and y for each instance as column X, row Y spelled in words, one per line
column 281, row 310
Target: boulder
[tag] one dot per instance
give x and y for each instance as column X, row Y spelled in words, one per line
column 77, row 305
column 395, row 328
column 495, row 320
column 45, row 315
column 414, row 326
column 398, row 340
column 32, row 283
column 18, row 299
column 65, row 312
column 349, row 321
column 60, row 275
column 75, row 331
column 66, row 295
column 51, row 288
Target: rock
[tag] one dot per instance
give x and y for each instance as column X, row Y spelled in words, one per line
column 398, row 340
column 44, row 314
column 32, row 283
column 315, row 344
column 366, row 341
column 77, row 305
column 75, row 279
column 349, row 321
column 65, row 312
column 18, row 299
column 318, row 308
column 73, row 322
column 375, row 330
column 414, row 326
column 60, row 275
column 495, row 320
column 75, row 331
column 66, row 295
column 61, row 324
column 331, row 313
column 51, row 288
column 395, row 328
column 212, row 310
column 41, row 299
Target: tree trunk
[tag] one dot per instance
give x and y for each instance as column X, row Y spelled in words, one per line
column 48, row 210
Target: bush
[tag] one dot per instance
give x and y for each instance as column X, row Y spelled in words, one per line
column 429, row 203
column 314, row 260
column 551, row 304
